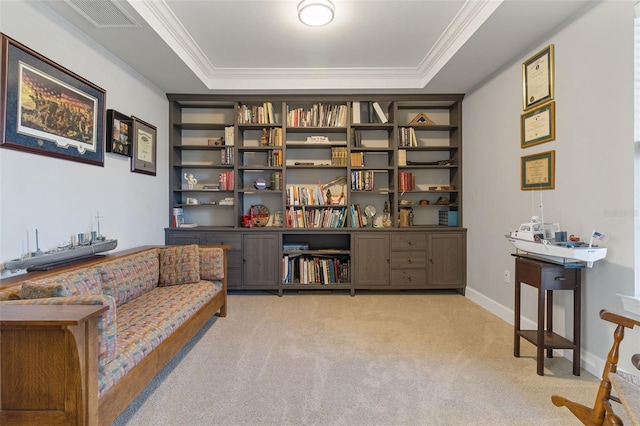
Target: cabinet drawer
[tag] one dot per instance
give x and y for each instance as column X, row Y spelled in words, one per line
column 554, row 277
column 409, row 277
column 406, row 240
column 229, row 239
column 408, row 259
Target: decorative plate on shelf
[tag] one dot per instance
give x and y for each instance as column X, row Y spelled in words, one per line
column 259, row 215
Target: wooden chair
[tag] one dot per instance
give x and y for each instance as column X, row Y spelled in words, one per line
column 602, row 412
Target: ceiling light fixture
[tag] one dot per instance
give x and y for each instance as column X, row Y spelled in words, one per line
column 315, row 13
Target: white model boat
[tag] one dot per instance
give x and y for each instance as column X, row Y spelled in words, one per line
column 536, row 238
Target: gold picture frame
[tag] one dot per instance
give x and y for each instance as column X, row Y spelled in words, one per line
column 538, row 78
column 538, row 125
column 538, row 171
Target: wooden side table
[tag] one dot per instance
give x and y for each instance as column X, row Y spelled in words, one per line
column 547, row 277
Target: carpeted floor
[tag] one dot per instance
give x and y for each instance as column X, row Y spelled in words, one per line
column 372, row 359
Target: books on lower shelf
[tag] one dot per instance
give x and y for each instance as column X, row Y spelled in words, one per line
column 304, row 269
column 321, row 217
column 178, row 217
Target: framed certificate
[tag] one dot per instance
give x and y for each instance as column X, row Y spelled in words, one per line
column 537, row 78
column 538, row 125
column 538, row 171
column 144, row 147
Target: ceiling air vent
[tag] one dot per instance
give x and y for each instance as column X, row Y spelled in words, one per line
column 104, row 13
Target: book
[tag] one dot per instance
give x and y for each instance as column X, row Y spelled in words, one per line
column 381, row 115
column 178, row 217
column 355, row 108
column 402, row 157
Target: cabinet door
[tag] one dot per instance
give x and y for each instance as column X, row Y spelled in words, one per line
column 371, row 259
column 446, row 257
column 234, row 255
column 261, row 260
column 176, row 238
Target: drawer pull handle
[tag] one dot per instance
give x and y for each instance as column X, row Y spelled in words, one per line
column 408, row 260
column 560, row 279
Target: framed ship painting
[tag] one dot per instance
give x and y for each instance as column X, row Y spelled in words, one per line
column 48, row 110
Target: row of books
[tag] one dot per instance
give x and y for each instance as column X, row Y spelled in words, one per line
column 305, row 196
column 319, row 115
column 227, row 157
column 407, row 136
column 357, row 159
column 368, row 112
column 406, row 181
column 274, row 158
column 323, row 217
column 257, row 114
column 355, row 213
column 315, row 270
column 362, row 180
column 338, row 156
column 276, row 181
column 226, row 181
column 271, row 137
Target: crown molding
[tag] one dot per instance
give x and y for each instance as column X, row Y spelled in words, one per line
column 163, row 21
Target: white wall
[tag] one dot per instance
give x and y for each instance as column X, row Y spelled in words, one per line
column 594, row 173
column 59, row 197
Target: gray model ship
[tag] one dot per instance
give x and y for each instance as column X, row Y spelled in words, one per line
column 61, row 255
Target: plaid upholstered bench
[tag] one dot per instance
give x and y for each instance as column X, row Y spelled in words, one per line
column 69, row 364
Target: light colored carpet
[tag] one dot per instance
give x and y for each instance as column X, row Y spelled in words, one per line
column 372, row 359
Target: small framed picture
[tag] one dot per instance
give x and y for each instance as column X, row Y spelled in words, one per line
column 537, row 78
column 118, row 133
column 144, row 147
column 538, row 125
column 537, row 171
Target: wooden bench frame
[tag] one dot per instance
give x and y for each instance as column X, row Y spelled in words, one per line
column 49, row 358
column 602, row 413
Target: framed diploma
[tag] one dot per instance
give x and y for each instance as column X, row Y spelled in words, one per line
column 537, row 78
column 538, row 171
column 538, row 125
column 144, row 136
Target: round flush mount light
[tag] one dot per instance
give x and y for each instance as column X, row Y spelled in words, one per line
column 315, row 13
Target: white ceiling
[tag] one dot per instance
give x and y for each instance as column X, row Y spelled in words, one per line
column 215, row 46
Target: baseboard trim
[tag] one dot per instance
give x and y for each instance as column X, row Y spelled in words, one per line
column 588, row 361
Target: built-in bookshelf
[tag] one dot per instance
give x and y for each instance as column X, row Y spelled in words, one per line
column 350, row 170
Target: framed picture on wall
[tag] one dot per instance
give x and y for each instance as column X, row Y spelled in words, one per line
column 48, row 110
column 538, row 171
column 144, row 147
column 537, row 78
column 118, row 133
column 538, row 125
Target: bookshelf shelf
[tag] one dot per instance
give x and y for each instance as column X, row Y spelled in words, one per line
column 240, row 143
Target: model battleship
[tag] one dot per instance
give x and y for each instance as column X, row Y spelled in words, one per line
column 83, row 246
column 538, row 238
column 43, row 260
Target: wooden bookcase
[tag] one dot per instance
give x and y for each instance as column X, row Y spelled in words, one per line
column 289, row 151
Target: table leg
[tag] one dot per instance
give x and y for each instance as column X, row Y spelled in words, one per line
column 540, row 332
column 577, row 319
column 549, row 318
column 516, row 320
